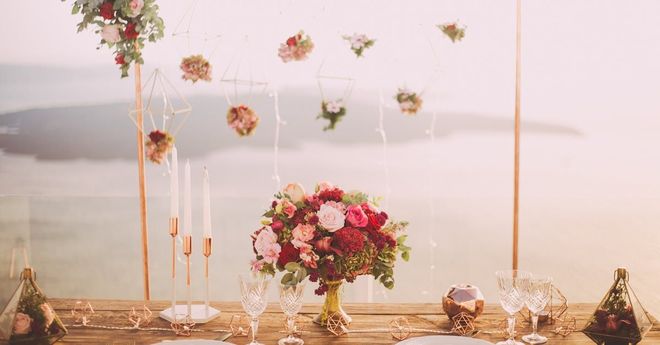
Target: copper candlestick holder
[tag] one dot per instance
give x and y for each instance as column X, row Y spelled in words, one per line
column 199, row 313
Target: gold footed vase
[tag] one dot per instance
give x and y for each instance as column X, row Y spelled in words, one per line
column 332, row 304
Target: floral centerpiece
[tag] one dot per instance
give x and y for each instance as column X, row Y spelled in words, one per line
column 409, row 102
column 296, row 47
column 331, row 236
column 453, row 30
column 359, row 43
column 332, row 111
column 158, row 145
column 124, row 26
column 29, row 318
column 196, row 67
column 242, row 119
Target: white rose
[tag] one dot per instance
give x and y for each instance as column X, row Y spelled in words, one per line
column 295, row 191
column 330, row 218
column 135, row 7
column 110, row 33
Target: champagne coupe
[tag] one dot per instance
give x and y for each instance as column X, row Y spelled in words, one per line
column 539, row 290
column 254, row 288
column 291, row 301
column 512, row 287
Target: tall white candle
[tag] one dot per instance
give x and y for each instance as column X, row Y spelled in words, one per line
column 206, row 208
column 174, row 185
column 187, row 207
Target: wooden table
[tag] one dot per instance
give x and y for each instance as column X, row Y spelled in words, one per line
column 115, row 313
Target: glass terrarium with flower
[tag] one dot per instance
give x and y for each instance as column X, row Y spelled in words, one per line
column 28, row 318
column 332, row 111
column 619, row 319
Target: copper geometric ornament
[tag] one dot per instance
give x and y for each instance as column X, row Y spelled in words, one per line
column 400, row 328
column 566, row 326
column 337, row 324
column 183, row 326
column 463, row 324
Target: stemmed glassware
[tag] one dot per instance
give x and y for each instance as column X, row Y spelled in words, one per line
column 539, row 290
column 291, row 297
column 254, row 288
column 513, row 288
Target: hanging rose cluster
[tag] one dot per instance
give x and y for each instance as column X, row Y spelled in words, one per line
column 124, row 25
column 158, row 145
column 359, row 43
column 242, row 119
column 453, row 30
column 296, row 48
column 332, row 111
column 196, row 67
column 409, row 102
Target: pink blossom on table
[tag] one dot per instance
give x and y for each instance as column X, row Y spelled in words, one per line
column 295, row 191
column 135, row 7
column 356, row 216
column 266, row 245
column 110, row 33
column 330, row 218
column 22, row 324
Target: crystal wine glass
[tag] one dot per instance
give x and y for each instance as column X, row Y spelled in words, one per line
column 291, row 301
column 254, row 287
column 539, row 289
column 512, row 287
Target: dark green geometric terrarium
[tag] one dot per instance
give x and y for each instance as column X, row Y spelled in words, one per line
column 619, row 319
column 28, row 318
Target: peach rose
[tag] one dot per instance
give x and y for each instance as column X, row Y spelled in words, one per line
column 22, row 324
column 295, row 191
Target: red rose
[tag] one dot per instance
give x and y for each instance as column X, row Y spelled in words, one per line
column 106, row 11
column 451, row 27
column 156, row 136
column 288, row 254
column 119, row 59
column 313, row 220
column 277, row 225
column 291, row 42
column 130, row 32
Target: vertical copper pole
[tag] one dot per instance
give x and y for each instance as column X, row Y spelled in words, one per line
column 142, row 178
column 516, row 164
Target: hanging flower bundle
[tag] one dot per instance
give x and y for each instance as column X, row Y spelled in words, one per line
column 242, row 119
column 359, row 43
column 332, row 111
column 296, row 47
column 453, row 30
column 158, row 146
column 124, row 25
column 409, row 102
column 196, row 67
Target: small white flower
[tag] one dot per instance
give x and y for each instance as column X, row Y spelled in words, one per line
column 333, row 107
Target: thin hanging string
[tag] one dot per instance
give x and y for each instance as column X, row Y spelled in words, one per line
column 430, row 188
column 348, row 88
column 276, row 148
column 205, row 37
column 383, row 136
column 436, row 62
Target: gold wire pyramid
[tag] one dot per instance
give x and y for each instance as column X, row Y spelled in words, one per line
column 28, row 318
column 620, row 318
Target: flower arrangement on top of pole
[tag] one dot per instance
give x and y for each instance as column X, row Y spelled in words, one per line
column 124, row 25
column 331, row 236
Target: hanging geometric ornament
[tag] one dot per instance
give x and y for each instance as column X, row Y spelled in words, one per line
column 334, row 96
column 453, row 30
column 240, row 117
column 167, row 111
column 296, row 47
column 359, row 43
column 409, row 102
column 620, row 319
column 28, row 318
column 196, row 66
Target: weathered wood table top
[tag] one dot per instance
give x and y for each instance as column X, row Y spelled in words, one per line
column 428, row 316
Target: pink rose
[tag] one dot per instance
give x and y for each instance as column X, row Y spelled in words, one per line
column 22, row 324
column 110, row 33
column 136, row 8
column 288, row 208
column 256, row 265
column 337, row 205
column 48, row 313
column 330, row 218
column 295, row 192
column 324, row 185
column 356, row 217
column 266, row 245
column 302, row 234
